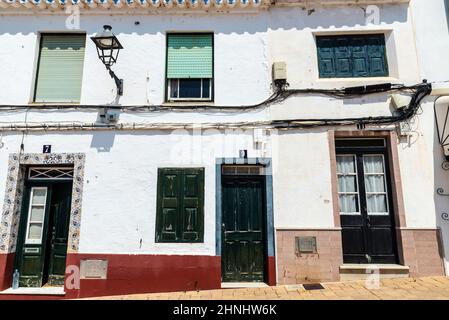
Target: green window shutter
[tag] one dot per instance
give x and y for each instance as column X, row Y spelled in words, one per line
column 360, row 57
column 377, row 56
column 189, row 56
column 60, row 69
column 352, row 56
column 326, row 58
column 342, row 51
column 180, row 205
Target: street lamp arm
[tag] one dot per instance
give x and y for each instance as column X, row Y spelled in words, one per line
column 118, row 82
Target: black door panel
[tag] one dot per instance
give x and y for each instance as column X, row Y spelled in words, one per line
column 367, row 237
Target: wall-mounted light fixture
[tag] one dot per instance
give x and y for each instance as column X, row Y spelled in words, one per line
column 108, row 48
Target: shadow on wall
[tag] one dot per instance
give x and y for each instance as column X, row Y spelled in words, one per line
column 446, row 6
column 279, row 19
column 441, row 179
column 103, row 141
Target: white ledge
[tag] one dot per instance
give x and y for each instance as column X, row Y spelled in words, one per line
column 47, row 291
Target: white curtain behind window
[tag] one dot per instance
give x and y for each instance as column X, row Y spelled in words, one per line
column 376, row 196
column 347, row 184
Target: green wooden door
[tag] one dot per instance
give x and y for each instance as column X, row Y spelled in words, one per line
column 32, row 236
column 62, row 197
column 243, row 209
column 43, row 233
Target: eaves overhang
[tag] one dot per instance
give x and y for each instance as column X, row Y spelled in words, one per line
column 184, row 6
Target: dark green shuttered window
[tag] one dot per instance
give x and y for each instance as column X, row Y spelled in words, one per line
column 180, row 205
column 60, row 68
column 348, row 56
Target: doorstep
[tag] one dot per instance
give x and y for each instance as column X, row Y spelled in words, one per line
column 46, row 291
column 235, row 285
column 365, row 271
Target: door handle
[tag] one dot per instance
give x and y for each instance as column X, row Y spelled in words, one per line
column 368, row 221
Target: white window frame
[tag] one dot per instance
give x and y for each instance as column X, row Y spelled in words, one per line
column 169, row 98
column 29, row 222
column 354, row 156
column 385, row 186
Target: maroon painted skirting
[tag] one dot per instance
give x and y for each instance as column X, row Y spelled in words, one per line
column 131, row 274
column 6, row 270
column 271, row 265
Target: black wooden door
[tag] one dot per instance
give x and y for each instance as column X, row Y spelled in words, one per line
column 43, row 233
column 243, row 232
column 367, row 222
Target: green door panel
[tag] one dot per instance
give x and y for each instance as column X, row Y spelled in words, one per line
column 62, row 197
column 180, row 205
column 31, row 259
column 243, row 254
column 44, row 262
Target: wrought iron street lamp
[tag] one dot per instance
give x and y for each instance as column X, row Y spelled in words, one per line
column 108, row 48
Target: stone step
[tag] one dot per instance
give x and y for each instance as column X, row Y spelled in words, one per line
column 367, row 271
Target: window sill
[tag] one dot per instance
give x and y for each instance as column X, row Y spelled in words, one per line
column 40, row 104
column 358, row 80
column 189, row 103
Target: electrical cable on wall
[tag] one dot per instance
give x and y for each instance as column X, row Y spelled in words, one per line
column 419, row 92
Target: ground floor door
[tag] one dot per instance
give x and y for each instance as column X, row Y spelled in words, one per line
column 243, row 228
column 366, row 211
column 43, row 233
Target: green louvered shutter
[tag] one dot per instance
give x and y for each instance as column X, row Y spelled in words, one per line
column 60, row 72
column 189, row 56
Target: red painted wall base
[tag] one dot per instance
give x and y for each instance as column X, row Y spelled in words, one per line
column 6, row 270
column 133, row 274
column 128, row 274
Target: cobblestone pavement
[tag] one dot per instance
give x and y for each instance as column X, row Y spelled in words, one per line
column 403, row 289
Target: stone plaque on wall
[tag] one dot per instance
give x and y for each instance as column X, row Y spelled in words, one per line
column 305, row 245
column 94, row 269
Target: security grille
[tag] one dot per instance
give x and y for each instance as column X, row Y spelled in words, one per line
column 59, row 173
column 240, row 170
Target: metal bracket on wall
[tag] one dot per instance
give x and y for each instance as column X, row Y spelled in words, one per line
column 440, row 191
column 445, row 165
column 444, row 215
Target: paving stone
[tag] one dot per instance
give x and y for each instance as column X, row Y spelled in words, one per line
column 398, row 289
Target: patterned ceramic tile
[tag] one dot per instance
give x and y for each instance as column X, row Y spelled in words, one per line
column 14, row 190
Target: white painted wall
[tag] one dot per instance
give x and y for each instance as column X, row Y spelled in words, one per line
column 245, row 47
column 432, row 38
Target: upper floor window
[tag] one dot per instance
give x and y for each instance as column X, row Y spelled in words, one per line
column 60, row 68
column 189, row 66
column 352, row 56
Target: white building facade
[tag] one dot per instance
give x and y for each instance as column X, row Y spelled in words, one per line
column 279, row 143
